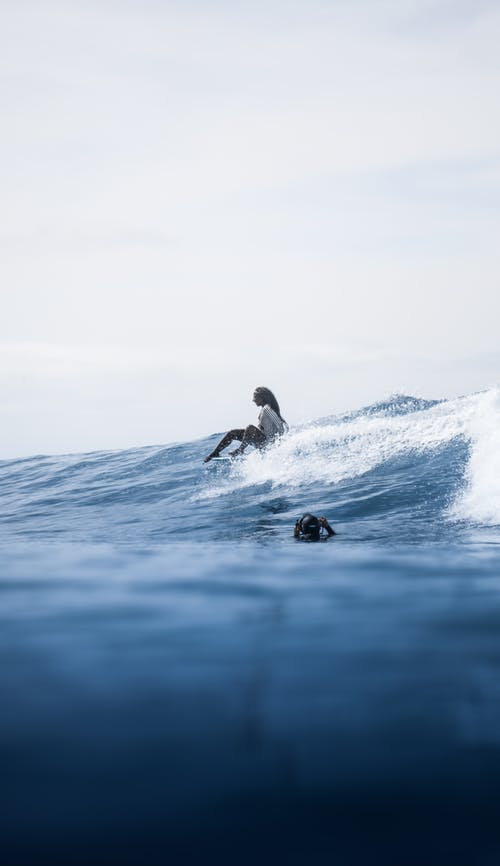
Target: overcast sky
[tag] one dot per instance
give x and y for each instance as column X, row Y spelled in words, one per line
column 201, row 197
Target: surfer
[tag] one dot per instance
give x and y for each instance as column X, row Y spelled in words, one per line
column 309, row 527
column 270, row 425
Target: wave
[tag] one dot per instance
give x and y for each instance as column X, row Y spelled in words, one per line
column 479, row 498
column 339, row 449
column 402, row 468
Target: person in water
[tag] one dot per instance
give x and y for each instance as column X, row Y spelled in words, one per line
column 270, row 425
column 309, row 528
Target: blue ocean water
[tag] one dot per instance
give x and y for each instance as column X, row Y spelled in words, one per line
column 181, row 680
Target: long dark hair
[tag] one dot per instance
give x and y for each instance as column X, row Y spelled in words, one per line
column 269, row 398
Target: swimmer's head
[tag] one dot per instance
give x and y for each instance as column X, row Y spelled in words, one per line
column 309, row 527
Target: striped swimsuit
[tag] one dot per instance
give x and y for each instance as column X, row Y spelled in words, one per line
column 271, row 424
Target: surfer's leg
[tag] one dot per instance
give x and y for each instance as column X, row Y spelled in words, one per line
column 225, row 441
column 252, row 435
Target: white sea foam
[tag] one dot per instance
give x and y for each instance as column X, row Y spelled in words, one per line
column 337, row 450
column 479, row 500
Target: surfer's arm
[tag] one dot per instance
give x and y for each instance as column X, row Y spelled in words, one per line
column 324, row 523
column 296, row 531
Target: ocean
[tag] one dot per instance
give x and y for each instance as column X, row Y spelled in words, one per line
column 182, row 681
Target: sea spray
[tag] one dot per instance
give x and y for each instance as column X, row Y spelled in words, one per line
column 338, row 449
column 479, row 500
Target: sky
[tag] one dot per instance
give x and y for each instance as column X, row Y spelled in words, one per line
column 202, row 197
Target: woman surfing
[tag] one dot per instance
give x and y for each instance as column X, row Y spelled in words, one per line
column 270, row 426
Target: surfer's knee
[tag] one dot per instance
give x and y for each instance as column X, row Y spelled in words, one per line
column 254, row 436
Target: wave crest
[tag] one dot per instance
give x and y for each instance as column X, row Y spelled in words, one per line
column 335, row 450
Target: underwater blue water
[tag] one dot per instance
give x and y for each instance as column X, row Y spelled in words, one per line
column 181, row 680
